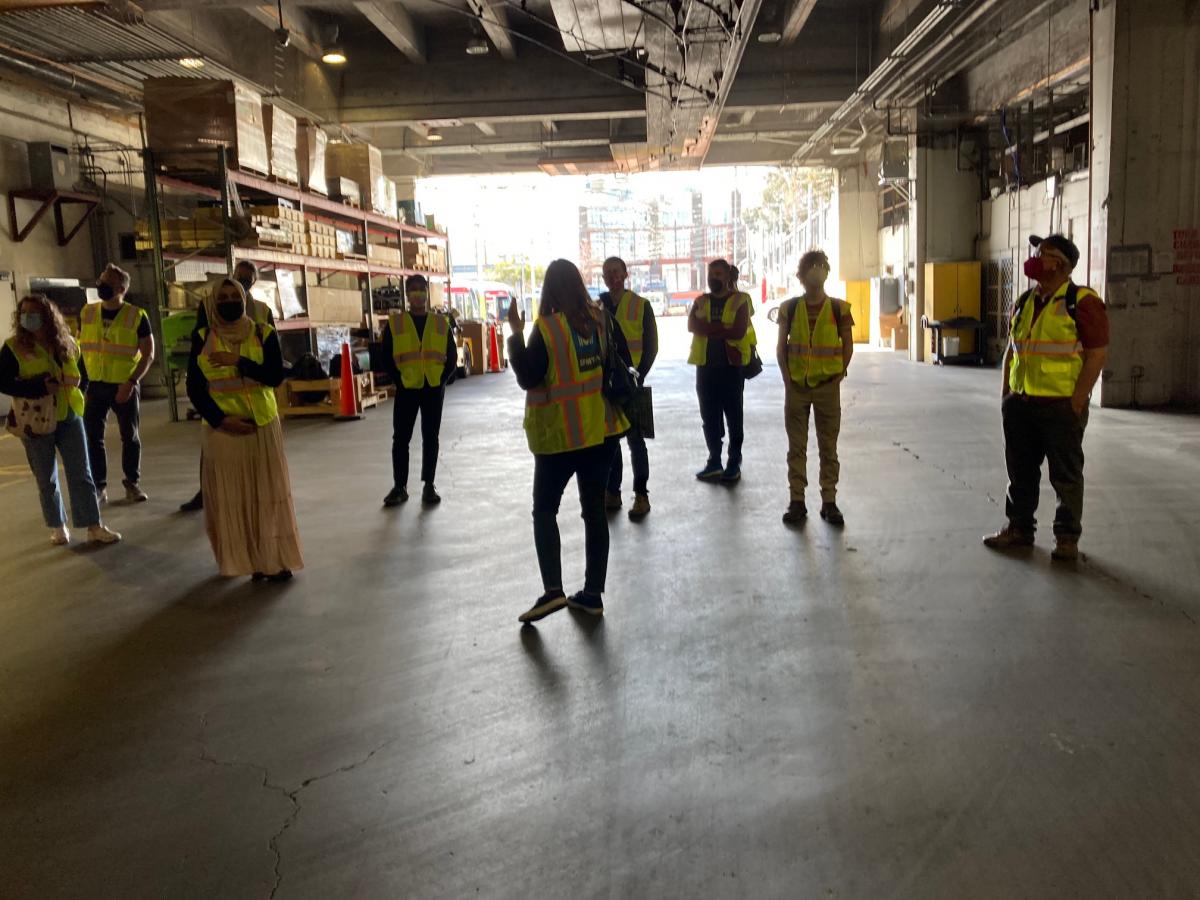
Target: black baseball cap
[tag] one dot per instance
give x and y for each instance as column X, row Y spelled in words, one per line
column 1059, row 242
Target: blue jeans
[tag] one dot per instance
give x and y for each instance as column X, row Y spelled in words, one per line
column 68, row 439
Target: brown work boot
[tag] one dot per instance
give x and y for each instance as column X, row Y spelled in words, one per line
column 640, row 508
column 1008, row 538
column 612, row 501
column 1066, row 549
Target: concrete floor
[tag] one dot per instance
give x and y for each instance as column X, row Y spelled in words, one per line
column 888, row 711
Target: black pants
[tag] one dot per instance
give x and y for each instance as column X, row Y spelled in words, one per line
column 101, row 397
column 428, row 402
column 720, row 391
column 551, row 472
column 1050, row 430
column 639, row 459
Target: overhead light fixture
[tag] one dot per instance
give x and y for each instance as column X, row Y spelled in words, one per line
column 770, row 36
column 192, row 62
column 334, row 56
column 433, row 135
column 477, row 45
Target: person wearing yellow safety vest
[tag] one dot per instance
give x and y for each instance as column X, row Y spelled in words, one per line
column 1058, row 345
column 118, row 349
column 816, row 342
column 719, row 322
column 41, row 359
column 245, row 273
column 420, row 356
column 734, row 275
column 233, row 370
column 571, row 427
column 637, row 325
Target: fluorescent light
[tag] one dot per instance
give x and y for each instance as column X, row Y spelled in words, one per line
column 334, row 56
column 192, row 62
column 771, row 36
column 433, row 136
column 477, row 46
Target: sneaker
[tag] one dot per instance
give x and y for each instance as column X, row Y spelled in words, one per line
column 60, row 536
column 711, row 471
column 98, row 534
column 549, row 602
column 194, row 505
column 796, row 513
column 396, row 496
column 429, row 495
column 640, row 508
column 831, row 514
column 102, row 496
column 732, row 473
column 588, row 603
column 1008, row 537
column 1066, row 549
column 135, row 494
column 612, row 501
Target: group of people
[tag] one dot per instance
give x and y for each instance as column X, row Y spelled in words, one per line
column 573, row 427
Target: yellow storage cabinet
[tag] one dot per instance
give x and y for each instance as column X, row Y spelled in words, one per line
column 952, row 290
column 858, row 295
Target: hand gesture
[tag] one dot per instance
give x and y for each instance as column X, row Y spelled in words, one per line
column 124, row 392
column 223, row 358
column 515, row 322
column 236, row 425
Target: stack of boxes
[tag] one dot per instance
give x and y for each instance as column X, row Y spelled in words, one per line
column 278, row 226
column 322, row 240
column 425, row 257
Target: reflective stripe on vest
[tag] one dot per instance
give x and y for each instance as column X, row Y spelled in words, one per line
column 699, row 354
column 38, row 361
column 816, row 357
column 420, row 359
column 233, row 393
column 568, row 411
column 110, row 350
column 1046, row 353
column 630, row 316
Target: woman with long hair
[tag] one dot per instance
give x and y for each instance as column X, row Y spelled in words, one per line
column 234, row 368
column 571, row 428
column 40, row 360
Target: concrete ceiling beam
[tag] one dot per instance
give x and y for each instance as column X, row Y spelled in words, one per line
column 303, row 29
column 797, row 18
column 494, row 18
column 394, row 23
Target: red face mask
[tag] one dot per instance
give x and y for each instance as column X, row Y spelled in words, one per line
column 1034, row 268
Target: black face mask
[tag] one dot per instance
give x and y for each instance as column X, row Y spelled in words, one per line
column 105, row 291
column 231, row 310
column 246, row 284
column 716, row 285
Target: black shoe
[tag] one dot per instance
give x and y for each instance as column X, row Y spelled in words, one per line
column 258, row 576
column 712, row 471
column 429, row 495
column 549, row 602
column 396, row 496
column 796, row 513
column 588, row 603
column 732, row 473
column 194, row 505
column 281, row 576
column 831, row 514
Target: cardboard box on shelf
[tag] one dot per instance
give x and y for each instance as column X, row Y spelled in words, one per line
column 281, row 139
column 201, row 114
column 345, row 191
column 363, row 164
column 334, row 305
column 388, row 256
column 311, row 141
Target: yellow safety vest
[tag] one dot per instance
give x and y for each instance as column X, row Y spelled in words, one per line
column 1046, row 354
column 234, row 394
column 419, row 358
column 630, row 316
column 699, row 354
column 110, row 350
column 258, row 311
column 568, row 411
column 750, row 332
column 39, row 361
column 817, row 357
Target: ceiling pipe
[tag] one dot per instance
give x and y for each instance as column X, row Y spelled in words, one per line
column 52, row 73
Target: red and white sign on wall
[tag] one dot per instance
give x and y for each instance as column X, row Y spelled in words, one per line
column 1187, row 256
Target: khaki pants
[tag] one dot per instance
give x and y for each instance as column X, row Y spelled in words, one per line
column 825, row 401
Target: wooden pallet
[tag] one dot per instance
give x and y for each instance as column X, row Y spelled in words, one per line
column 290, row 406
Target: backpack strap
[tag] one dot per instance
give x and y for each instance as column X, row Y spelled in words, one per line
column 1072, row 299
column 1020, row 304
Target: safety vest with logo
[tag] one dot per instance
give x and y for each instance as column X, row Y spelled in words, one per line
column 37, row 361
column 110, row 349
column 419, row 358
column 233, row 393
column 814, row 355
column 1046, row 353
column 630, row 316
column 699, row 354
column 567, row 411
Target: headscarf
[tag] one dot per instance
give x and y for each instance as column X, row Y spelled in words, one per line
column 236, row 332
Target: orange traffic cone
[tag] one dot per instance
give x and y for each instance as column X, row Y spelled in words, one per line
column 349, row 397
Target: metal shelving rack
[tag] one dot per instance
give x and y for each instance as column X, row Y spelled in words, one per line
column 223, row 183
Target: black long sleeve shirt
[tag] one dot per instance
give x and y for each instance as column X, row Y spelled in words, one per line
column 389, row 361
column 268, row 373
column 649, row 334
column 530, row 362
column 14, row 385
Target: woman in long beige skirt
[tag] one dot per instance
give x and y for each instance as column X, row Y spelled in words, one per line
column 234, row 368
